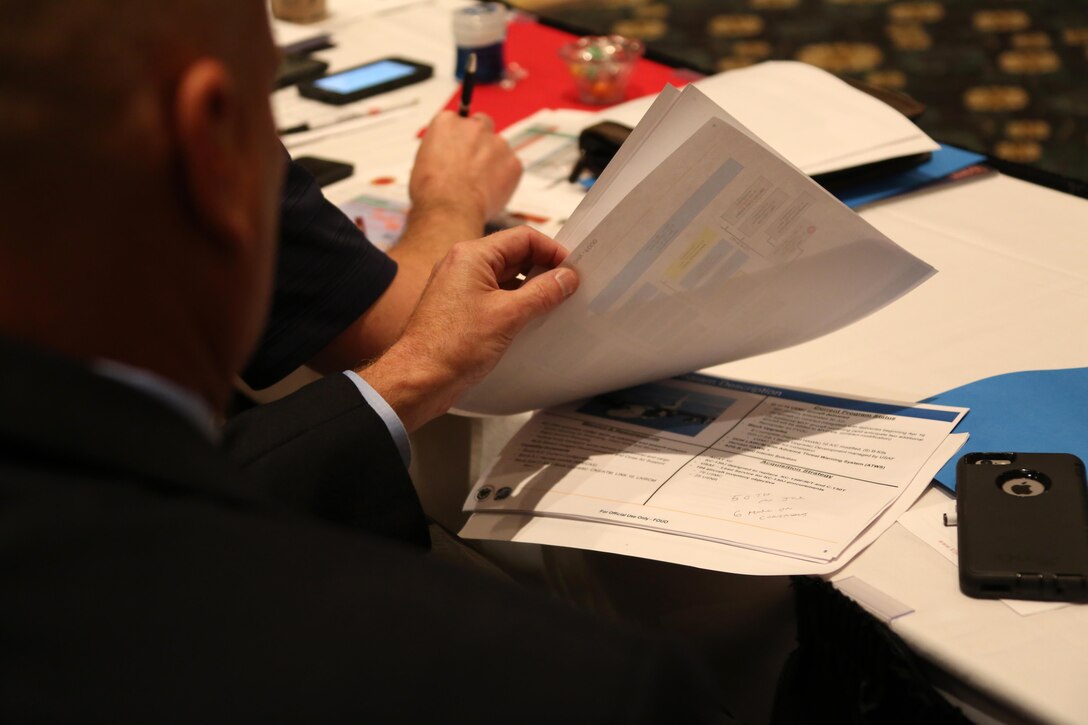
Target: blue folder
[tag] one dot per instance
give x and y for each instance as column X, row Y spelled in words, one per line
column 945, row 161
column 1039, row 411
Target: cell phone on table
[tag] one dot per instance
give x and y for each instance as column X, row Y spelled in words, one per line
column 325, row 171
column 1022, row 526
column 365, row 80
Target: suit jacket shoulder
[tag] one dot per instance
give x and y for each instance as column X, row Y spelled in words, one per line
column 325, row 451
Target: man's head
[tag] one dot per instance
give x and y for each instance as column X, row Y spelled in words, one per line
column 142, row 181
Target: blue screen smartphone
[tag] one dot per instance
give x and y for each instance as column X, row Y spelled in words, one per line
column 365, row 80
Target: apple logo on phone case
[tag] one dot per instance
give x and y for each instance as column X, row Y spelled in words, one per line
column 1023, row 484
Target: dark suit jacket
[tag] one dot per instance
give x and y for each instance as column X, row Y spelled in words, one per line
column 147, row 577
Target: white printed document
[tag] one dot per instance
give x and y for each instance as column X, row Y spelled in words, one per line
column 688, row 551
column 791, row 473
column 697, row 246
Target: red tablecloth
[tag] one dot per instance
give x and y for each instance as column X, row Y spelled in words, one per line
column 548, row 83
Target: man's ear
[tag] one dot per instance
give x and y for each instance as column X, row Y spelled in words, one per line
column 208, row 116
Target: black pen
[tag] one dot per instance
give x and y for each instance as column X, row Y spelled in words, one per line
column 466, row 85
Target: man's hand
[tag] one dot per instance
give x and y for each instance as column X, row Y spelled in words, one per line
column 462, row 163
column 463, row 175
column 466, row 320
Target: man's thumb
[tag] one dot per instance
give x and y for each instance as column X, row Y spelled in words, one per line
column 545, row 291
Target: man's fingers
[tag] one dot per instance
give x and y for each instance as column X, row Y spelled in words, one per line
column 485, row 120
column 543, row 293
column 523, row 247
column 567, row 281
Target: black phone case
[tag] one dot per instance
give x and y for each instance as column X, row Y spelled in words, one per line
column 298, row 69
column 1018, row 546
column 597, row 144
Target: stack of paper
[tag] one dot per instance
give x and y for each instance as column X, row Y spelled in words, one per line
column 817, row 121
column 699, row 244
